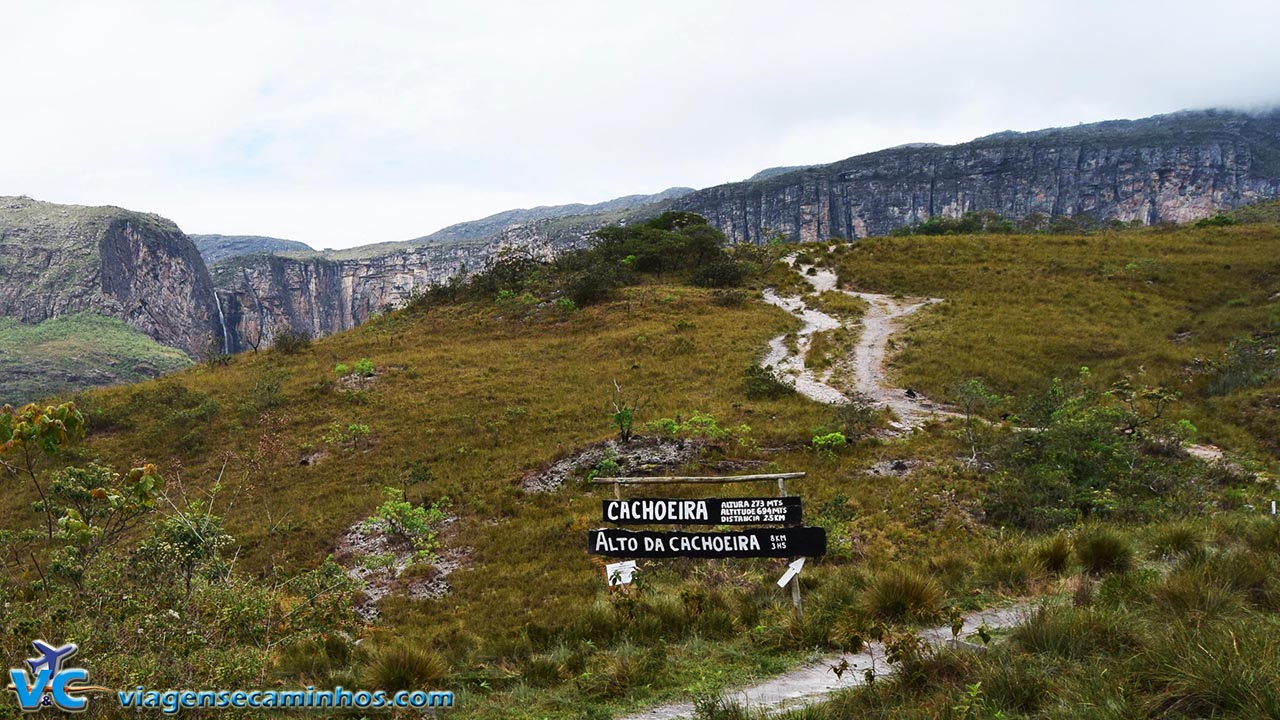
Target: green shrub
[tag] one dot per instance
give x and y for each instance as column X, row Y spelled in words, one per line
column 1069, row 632
column 363, row 368
column 1211, row 671
column 829, row 443
column 722, row 272
column 291, row 341
column 1178, row 539
column 542, row 671
column 856, row 418
column 760, row 383
column 1218, row 220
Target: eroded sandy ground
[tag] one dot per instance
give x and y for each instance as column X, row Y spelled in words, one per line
column 883, row 318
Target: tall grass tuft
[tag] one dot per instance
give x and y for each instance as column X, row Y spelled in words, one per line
column 1104, row 551
column 1175, row 540
column 398, row 666
column 1221, row 670
column 1055, row 554
column 903, row 595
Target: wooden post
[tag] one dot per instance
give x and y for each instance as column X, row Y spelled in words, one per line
column 795, row 596
column 795, row 581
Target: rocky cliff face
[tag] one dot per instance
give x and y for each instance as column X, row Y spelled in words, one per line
column 261, row 294
column 62, row 259
column 57, row 259
column 1172, row 168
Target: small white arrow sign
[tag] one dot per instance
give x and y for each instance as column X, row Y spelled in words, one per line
column 792, row 570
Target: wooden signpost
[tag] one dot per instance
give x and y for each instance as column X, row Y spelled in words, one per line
column 791, row 540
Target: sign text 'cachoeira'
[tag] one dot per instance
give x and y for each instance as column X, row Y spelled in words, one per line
column 757, row 542
column 708, row 511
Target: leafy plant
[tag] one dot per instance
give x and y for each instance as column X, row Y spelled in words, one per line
column 186, row 541
column 363, row 368
column 414, row 523
column 351, row 434
column 32, row 432
column 829, row 443
column 96, row 507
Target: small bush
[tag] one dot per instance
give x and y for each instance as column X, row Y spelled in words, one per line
column 542, row 672
column 1103, row 551
column 721, row 272
column 829, row 443
column 1070, row 632
column 856, row 418
column 363, row 368
column 1219, row 220
column 291, row 341
column 903, row 595
column 760, row 383
column 729, row 297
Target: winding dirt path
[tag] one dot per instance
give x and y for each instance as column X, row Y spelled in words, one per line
column 811, row 683
column 882, row 319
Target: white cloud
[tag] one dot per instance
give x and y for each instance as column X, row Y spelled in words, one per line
column 345, row 123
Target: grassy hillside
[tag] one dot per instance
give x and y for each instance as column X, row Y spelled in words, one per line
column 463, row 399
column 1022, row 310
column 69, row 353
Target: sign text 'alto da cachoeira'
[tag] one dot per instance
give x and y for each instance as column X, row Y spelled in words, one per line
column 754, row 543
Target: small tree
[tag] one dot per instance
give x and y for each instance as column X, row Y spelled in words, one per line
column 186, row 542
column 33, row 431
column 624, row 413
column 974, row 396
column 96, row 506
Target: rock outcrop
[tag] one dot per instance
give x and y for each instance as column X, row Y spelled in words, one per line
column 61, row 259
column 1169, row 168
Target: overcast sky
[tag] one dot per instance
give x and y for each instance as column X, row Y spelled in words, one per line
column 341, row 124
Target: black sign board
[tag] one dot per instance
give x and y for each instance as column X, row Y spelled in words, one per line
column 706, row 511
column 756, row 542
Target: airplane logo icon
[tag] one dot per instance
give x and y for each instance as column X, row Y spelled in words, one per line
column 50, row 657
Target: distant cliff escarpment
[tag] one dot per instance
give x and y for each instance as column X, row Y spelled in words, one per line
column 58, row 260
column 318, row 294
column 1169, row 168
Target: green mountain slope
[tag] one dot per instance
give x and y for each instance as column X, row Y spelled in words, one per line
column 67, row 354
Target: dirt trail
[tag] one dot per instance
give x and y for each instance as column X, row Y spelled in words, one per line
column 882, row 319
column 811, row 683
